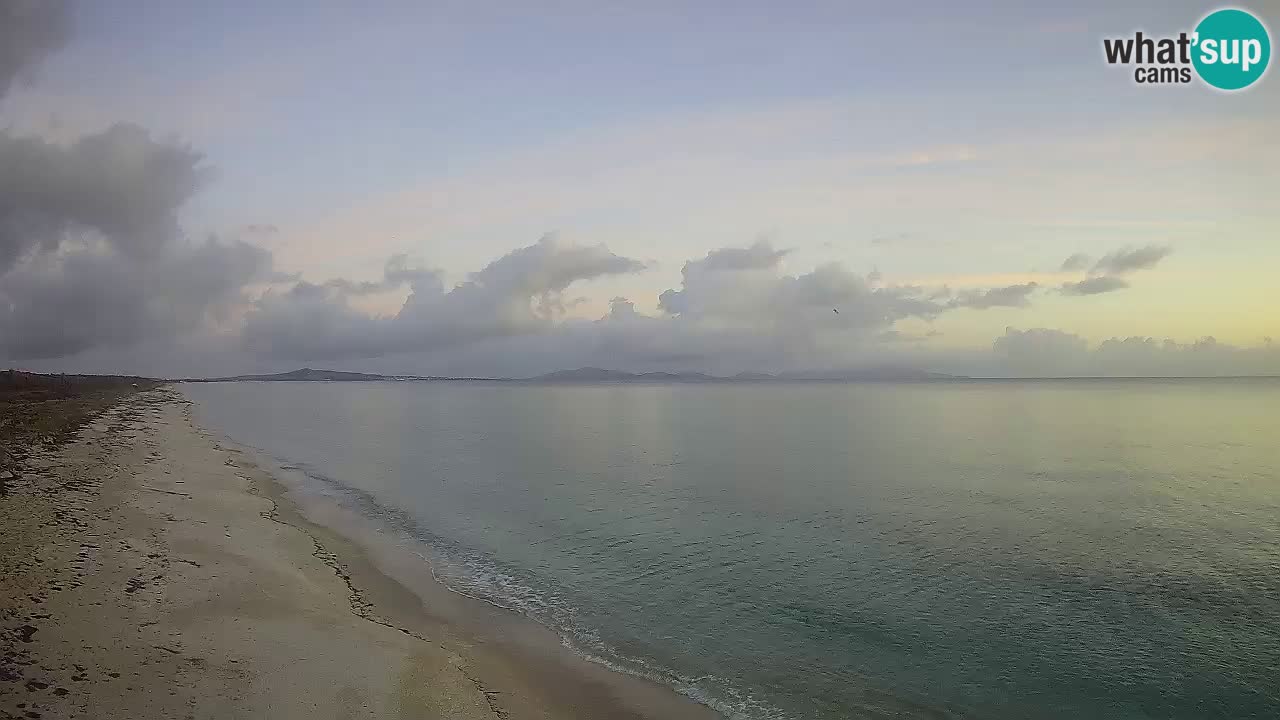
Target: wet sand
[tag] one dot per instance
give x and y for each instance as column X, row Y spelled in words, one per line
column 153, row 570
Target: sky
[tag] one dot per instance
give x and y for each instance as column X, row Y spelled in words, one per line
column 508, row 189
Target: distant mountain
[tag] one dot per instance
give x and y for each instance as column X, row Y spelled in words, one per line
column 676, row 377
column 600, row 375
column 881, row 373
column 595, row 374
column 304, row 375
column 584, row 374
column 754, row 376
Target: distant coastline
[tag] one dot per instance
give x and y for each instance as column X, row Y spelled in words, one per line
column 599, row 375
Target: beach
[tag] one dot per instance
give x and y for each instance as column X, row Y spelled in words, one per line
column 152, row 570
column 454, row 550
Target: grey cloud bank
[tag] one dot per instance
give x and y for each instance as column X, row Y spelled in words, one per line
column 734, row 307
column 520, row 293
column 1044, row 352
column 91, row 252
column 735, row 310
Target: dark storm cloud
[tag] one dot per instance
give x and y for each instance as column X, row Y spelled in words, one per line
column 1095, row 285
column 30, row 30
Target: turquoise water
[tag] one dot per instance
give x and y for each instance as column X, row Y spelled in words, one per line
column 1028, row 549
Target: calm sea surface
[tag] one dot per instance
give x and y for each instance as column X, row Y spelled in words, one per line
column 1052, row 549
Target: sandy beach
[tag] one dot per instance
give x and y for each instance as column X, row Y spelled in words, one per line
column 151, row 570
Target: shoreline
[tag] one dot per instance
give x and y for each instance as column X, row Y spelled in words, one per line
column 514, row 657
column 191, row 585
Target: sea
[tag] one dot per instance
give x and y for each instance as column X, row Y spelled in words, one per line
column 1050, row 549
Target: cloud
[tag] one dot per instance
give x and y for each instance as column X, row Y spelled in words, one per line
column 260, row 229
column 120, row 183
column 1126, row 260
column 715, row 269
column 759, row 256
column 1095, row 285
column 61, row 304
column 91, row 251
column 30, row 30
column 1040, row 351
column 1047, row 352
column 1009, row 296
column 1076, row 262
column 898, row 336
column 750, row 292
column 519, row 293
column 396, row 273
column 1106, row 275
column 734, row 310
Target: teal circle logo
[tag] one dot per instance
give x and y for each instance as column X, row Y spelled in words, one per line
column 1231, row 49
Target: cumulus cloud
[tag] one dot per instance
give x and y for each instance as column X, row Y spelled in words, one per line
column 521, row 292
column 743, row 287
column 1095, row 285
column 759, row 256
column 1049, row 353
column 56, row 305
column 734, row 309
column 718, row 267
column 91, row 250
column 1040, row 351
column 30, row 30
column 120, row 183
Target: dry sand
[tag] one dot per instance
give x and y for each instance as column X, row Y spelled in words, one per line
column 152, row 571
